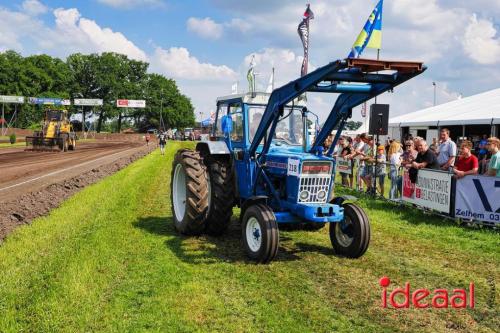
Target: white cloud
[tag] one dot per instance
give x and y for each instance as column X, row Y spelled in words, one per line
column 178, row 63
column 205, row 28
column 480, row 43
column 14, row 26
column 83, row 35
column 127, row 4
column 34, row 7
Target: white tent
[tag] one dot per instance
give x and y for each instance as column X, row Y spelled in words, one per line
column 480, row 109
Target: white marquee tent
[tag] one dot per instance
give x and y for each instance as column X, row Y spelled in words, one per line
column 481, row 109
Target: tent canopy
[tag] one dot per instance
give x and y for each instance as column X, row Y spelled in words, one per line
column 480, row 109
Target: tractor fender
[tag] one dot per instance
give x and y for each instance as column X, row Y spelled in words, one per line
column 207, row 148
column 340, row 200
column 252, row 201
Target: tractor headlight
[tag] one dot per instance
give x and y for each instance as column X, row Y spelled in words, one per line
column 304, row 195
column 321, row 195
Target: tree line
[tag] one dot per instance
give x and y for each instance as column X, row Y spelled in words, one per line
column 107, row 76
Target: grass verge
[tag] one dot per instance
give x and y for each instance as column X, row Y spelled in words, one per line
column 109, row 260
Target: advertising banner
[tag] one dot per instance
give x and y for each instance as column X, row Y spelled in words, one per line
column 478, row 198
column 344, row 165
column 130, row 103
column 49, row 101
column 432, row 190
column 12, row 99
column 87, row 102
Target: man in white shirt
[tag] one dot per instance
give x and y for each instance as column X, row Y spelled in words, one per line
column 447, row 151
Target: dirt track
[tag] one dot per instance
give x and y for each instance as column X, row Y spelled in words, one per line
column 32, row 183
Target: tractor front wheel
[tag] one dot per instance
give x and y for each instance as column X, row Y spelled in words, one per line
column 260, row 233
column 350, row 237
column 189, row 192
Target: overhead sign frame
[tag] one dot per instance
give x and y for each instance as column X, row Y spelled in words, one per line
column 12, row 99
column 87, row 102
column 49, row 101
column 131, row 103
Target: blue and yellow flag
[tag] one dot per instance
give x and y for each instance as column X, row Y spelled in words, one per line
column 371, row 35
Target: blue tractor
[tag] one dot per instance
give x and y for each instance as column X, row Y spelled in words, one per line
column 262, row 158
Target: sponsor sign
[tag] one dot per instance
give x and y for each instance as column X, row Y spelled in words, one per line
column 12, row 99
column 130, row 103
column 344, row 165
column 478, row 198
column 432, row 190
column 49, row 101
column 87, row 102
column 293, row 167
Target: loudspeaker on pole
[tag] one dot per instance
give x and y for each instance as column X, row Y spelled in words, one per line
column 379, row 119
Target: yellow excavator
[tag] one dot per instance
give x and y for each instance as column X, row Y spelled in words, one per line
column 56, row 134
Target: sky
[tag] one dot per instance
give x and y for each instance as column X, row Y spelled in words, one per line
column 207, row 45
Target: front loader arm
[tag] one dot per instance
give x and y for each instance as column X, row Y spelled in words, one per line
column 353, row 78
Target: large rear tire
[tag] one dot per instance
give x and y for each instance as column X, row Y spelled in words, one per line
column 351, row 237
column 189, row 192
column 260, row 233
column 222, row 196
column 72, row 144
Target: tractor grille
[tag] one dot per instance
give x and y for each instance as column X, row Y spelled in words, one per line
column 315, row 186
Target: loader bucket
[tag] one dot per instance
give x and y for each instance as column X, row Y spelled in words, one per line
column 37, row 143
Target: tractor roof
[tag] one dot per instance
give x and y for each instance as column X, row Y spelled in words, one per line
column 257, row 98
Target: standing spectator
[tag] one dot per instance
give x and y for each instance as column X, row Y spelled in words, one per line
column 447, row 151
column 347, row 153
column 368, row 157
column 425, row 159
column 494, row 148
column 409, row 154
column 395, row 162
column 343, row 151
column 467, row 164
column 338, row 147
column 381, row 168
column 162, row 141
column 434, row 146
column 328, row 141
column 483, row 151
column 360, row 165
column 147, row 137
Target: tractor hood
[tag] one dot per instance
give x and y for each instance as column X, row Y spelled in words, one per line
column 287, row 160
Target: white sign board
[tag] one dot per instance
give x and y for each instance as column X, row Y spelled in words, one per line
column 344, row 165
column 432, row 190
column 12, row 99
column 293, row 167
column 87, row 102
column 131, row 103
column 478, row 198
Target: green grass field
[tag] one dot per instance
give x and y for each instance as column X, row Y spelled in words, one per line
column 109, row 260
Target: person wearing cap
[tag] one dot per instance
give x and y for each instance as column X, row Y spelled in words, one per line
column 494, row 149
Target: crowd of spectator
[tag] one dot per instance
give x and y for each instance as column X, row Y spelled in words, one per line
column 371, row 162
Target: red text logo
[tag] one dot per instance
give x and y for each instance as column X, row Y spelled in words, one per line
column 423, row 298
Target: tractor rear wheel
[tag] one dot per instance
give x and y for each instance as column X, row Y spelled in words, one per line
column 260, row 233
column 189, row 192
column 72, row 144
column 221, row 195
column 351, row 237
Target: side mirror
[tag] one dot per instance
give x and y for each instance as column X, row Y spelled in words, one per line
column 227, row 125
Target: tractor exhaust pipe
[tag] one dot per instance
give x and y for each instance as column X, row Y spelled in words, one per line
column 304, row 129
